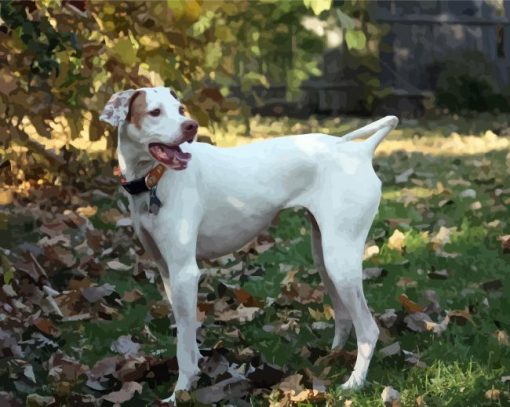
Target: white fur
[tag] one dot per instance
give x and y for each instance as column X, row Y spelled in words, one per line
column 227, row 196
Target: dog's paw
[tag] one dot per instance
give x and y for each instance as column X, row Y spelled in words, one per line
column 169, row 401
column 354, row 383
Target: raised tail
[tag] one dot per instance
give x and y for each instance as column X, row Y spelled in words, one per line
column 376, row 130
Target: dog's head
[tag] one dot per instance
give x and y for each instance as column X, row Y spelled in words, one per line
column 154, row 119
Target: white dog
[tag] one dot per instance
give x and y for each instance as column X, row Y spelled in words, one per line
column 215, row 200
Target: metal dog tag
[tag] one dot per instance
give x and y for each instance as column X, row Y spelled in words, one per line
column 154, row 202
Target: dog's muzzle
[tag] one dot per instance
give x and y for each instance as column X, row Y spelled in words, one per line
column 172, row 155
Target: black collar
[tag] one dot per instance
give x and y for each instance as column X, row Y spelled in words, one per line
column 136, row 186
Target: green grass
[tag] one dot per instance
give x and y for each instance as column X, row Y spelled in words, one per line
column 461, row 365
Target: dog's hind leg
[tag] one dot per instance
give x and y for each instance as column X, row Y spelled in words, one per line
column 343, row 260
column 344, row 214
column 343, row 321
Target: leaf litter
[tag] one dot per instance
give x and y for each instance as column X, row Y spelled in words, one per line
column 57, row 284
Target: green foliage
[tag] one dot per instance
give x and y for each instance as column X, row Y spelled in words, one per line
column 63, row 60
column 465, row 83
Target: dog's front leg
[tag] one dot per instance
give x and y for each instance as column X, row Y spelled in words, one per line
column 176, row 238
column 183, row 281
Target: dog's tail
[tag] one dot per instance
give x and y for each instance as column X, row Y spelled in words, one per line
column 376, row 130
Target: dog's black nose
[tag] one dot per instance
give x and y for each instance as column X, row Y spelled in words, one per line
column 189, row 127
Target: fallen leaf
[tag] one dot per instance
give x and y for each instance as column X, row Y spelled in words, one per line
column 468, row 193
column 404, row 176
column 397, row 240
column 475, row 206
column 370, row 251
column 111, row 215
column 228, row 389
column 47, row 327
column 215, row 365
column 502, row 337
column 442, row 237
column 460, row 317
column 125, row 345
column 390, row 397
column 94, row 294
column 118, row 266
column 437, row 328
column 126, row 393
column 390, row 350
column 493, row 394
column 35, row 400
column 310, row 395
column 409, row 305
column 420, row 401
column 87, row 211
column 132, row 296
column 505, row 243
column 417, row 321
column 388, row 318
column 241, row 314
column 372, row 273
column 64, row 368
column 291, row 384
column 404, row 282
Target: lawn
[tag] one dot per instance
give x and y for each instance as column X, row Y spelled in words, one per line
column 84, row 321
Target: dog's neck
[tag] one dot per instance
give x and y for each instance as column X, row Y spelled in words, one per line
column 134, row 162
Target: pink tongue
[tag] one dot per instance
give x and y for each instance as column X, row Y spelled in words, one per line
column 169, row 155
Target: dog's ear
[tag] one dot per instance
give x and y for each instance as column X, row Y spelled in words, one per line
column 117, row 108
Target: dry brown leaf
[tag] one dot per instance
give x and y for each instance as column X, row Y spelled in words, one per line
column 291, row 384
column 310, row 395
column 6, row 197
column 35, row 400
column 420, row 401
column 406, row 282
column 241, row 314
column 111, row 216
column 245, row 298
column 133, row 295
column 505, row 243
column 65, row 368
column 460, row 317
column 370, row 251
column 47, row 327
column 126, row 393
column 397, row 241
column 409, row 305
column 87, row 211
column 390, row 397
column 502, row 337
column 493, row 394
column 437, row 328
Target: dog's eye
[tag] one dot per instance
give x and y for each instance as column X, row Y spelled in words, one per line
column 182, row 110
column 155, row 112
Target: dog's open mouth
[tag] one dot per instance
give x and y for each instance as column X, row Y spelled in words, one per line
column 171, row 156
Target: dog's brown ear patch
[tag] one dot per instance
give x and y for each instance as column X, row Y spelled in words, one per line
column 137, row 108
column 116, row 108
